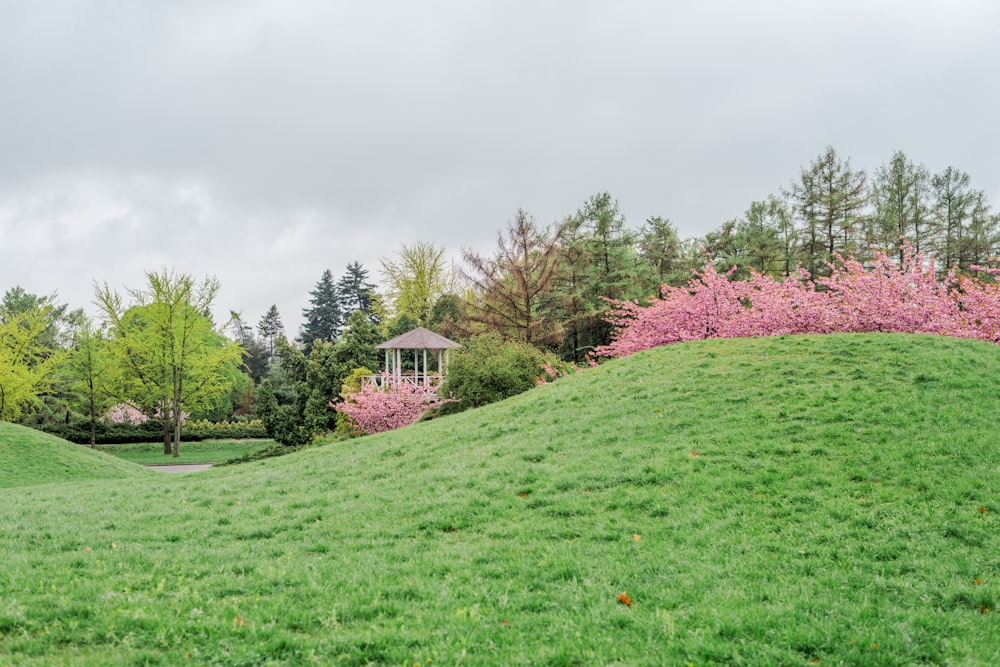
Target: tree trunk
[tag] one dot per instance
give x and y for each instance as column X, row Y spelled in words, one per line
column 166, row 437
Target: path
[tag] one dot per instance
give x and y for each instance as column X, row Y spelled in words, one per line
column 181, row 467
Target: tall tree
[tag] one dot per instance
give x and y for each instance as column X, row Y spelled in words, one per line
column 256, row 356
column 27, row 364
column 90, row 369
column 900, row 192
column 599, row 261
column 967, row 228
column 415, row 280
column 270, row 327
column 169, row 347
column 323, row 318
column 356, row 292
column 508, row 287
column 754, row 241
column 829, row 199
column 660, row 245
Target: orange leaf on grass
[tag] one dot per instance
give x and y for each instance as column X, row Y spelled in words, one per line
column 625, row 599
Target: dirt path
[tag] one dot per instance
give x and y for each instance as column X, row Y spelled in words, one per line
column 181, row 467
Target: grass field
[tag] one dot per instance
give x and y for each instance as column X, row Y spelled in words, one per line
column 205, row 451
column 788, row 501
column 29, row 457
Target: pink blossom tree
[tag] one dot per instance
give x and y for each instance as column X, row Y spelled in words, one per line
column 881, row 297
column 373, row 409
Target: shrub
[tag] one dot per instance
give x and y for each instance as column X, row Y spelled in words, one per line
column 152, row 431
column 491, row 369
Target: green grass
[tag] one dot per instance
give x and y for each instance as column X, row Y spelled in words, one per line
column 205, row 451
column 30, row 457
column 795, row 499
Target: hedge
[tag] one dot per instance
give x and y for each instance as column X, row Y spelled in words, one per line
column 116, row 434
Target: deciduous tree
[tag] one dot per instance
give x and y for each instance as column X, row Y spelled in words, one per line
column 169, row 348
column 27, row 364
column 509, row 286
column 415, row 280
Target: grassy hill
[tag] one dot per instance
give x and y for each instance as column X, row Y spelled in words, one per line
column 785, row 501
column 30, row 457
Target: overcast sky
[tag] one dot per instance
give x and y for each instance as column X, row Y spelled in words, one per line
column 262, row 142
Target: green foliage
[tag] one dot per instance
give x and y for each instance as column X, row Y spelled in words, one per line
column 152, row 431
column 760, row 501
column 172, row 359
column 323, row 318
column 415, row 280
column 489, row 369
column 356, row 293
column 282, row 422
column 26, row 363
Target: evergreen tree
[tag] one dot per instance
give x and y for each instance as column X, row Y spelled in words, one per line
column 256, row 356
column 323, row 319
column 356, row 347
column 899, row 193
column 270, row 327
column 829, row 200
column 356, row 293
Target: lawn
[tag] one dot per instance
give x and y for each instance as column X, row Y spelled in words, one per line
column 784, row 501
column 29, row 457
column 205, row 451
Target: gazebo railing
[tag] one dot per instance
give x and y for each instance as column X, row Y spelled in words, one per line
column 432, row 380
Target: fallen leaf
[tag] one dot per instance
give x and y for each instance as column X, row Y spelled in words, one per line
column 694, row 453
column 983, row 510
column 239, row 622
column 87, row 549
column 977, row 581
column 637, row 537
column 625, row 599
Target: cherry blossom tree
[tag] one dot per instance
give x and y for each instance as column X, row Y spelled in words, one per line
column 881, row 296
column 374, row 409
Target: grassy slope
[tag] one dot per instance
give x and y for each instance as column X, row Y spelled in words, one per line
column 798, row 499
column 31, row 457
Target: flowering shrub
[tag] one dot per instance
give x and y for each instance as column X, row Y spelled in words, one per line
column 884, row 297
column 124, row 413
column 374, row 409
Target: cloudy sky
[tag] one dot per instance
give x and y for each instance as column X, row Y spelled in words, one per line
column 263, row 141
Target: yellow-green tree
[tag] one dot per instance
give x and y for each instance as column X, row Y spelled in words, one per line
column 171, row 356
column 415, row 280
column 26, row 364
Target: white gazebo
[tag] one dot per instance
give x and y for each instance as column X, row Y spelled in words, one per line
column 420, row 341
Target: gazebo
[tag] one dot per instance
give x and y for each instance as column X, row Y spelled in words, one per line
column 420, row 341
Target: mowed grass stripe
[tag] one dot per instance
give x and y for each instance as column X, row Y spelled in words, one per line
column 766, row 501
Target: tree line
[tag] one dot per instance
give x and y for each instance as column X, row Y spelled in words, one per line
column 551, row 287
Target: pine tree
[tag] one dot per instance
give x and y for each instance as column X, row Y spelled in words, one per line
column 270, row 327
column 356, row 293
column 324, row 319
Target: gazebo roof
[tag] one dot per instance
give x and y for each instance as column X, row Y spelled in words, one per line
column 418, row 339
